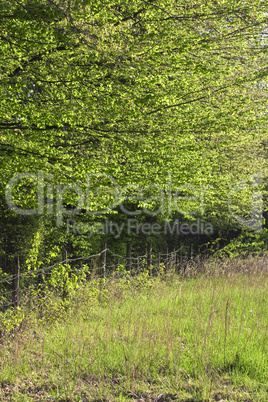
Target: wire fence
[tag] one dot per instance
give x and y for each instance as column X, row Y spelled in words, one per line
column 102, row 265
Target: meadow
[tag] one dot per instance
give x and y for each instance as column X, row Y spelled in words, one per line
column 200, row 335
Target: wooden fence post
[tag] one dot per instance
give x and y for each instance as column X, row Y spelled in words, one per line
column 159, row 261
column 149, row 257
column 64, row 257
column 180, row 260
column 175, row 260
column 15, row 282
column 138, row 265
column 103, row 258
column 166, row 256
column 64, row 263
column 128, row 260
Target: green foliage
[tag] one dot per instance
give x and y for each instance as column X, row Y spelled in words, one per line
column 246, row 243
column 63, row 280
column 175, row 97
column 10, row 320
column 164, row 98
column 32, row 260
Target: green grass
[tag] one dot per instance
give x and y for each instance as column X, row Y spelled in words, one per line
column 201, row 338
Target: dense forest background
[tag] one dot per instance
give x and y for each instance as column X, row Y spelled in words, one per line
column 132, row 115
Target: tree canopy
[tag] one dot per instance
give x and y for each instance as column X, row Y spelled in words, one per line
column 159, row 94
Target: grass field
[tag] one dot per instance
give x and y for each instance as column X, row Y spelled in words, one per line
column 194, row 337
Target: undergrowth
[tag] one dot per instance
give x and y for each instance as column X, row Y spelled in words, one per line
column 200, row 335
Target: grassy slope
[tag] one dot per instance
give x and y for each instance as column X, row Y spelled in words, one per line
column 194, row 339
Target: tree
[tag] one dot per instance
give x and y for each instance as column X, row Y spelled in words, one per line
column 135, row 91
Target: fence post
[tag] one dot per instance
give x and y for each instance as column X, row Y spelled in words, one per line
column 64, row 263
column 138, row 265
column 128, row 261
column 15, row 282
column 180, row 260
column 64, row 257
column 175, row 260
column 103, row 258
column 149, row 257
column 159, row 261
column 166, row 256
